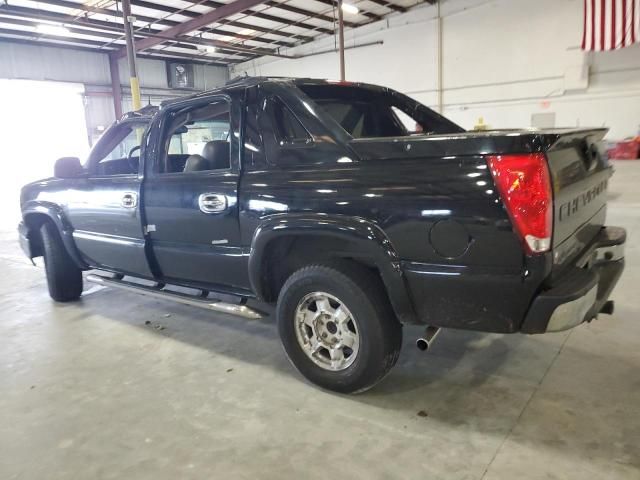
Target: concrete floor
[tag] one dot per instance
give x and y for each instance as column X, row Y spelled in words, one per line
column 88, row 390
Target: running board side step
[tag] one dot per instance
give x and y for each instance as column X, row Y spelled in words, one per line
column 185, row 299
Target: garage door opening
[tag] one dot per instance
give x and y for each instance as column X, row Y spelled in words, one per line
column 42, row 122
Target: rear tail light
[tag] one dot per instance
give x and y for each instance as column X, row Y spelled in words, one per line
column 525, row 188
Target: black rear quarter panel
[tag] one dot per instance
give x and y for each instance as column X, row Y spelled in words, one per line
column 461, row 261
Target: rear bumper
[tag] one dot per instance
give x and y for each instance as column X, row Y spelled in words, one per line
column 581, row 293
column 504, row 301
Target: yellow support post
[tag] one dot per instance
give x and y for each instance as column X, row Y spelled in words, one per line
column 135, row 93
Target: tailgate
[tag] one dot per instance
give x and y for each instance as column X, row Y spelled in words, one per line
column 579, row 174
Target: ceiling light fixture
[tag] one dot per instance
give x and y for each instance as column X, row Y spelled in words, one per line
column 246, row 32
column 348, row 8
column 52, row 29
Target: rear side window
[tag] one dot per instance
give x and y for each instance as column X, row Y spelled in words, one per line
column 410, row 124
column 287, row 127
column 368, row 112
column 364, row 119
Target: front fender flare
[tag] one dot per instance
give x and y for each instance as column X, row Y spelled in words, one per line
column 55, row 213
column 362, row 238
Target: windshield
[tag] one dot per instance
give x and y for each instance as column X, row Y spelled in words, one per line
column 118, row 150
column 366, row 112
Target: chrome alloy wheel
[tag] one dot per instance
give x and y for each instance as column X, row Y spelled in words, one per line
column 326, row 331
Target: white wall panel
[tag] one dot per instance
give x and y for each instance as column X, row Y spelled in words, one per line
column 504, row 60
column 208, row 76
column 32, row 62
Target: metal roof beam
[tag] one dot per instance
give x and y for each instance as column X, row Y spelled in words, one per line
column 199, row 60
column 82, row 42
column 309, row 13
column 58, row 38
column 389, row 5
column 203, row 20
column 371, row 16
column 143, row 18
column 217, row 31
column 195, row 58
column 76, row 30
column 40, row 43
column 36, row 14
column 103, row 11
column 271, row 18
column 248, row 26
column 79, row 30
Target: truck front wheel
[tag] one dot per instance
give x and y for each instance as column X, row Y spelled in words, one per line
column 337, row 326
column 64, row 278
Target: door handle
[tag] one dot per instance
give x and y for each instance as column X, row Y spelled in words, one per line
column 129, row 200
column 212, row 203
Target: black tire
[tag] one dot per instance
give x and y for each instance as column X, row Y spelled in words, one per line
column 64, row 278
column 362, row 292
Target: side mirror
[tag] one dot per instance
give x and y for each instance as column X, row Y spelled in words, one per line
column 68, row 167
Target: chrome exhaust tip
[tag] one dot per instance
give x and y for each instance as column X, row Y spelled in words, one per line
column 424, row 343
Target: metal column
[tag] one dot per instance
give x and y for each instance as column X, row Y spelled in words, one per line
column 115, row 85
column 131, row 54
column 439, row 83
column 341, row 33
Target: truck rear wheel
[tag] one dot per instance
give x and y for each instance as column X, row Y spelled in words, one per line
column 337, row 326
column 64, row 278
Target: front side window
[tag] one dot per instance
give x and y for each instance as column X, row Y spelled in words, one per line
column 199, row 139
column 118, row 151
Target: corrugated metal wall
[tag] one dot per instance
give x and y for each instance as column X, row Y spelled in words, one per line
column 44, row 63
column 33, row 62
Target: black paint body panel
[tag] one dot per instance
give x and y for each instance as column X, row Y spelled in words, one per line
column 421, row 209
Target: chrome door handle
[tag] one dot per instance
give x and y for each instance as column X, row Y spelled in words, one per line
column 212, row 203
column 129, row 200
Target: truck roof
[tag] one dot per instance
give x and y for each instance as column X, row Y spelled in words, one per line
column 246, row 81
column 239, row 83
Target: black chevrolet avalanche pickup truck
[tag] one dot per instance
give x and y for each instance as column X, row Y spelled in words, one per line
column 351, row 207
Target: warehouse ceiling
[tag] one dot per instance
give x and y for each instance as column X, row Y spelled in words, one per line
column 204, row 31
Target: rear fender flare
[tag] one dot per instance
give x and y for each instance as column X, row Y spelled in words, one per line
column 363, row 239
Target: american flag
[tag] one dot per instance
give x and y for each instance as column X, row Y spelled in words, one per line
column 610, row 24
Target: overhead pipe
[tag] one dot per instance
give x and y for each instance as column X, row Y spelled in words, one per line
column 217, row 43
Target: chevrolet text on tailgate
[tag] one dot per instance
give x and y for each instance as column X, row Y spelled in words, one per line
column 351, row 207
